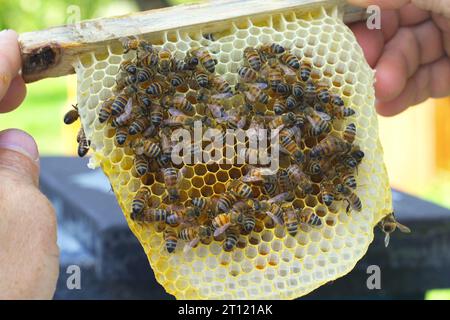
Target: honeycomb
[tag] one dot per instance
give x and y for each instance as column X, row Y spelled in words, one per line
column 272, row 264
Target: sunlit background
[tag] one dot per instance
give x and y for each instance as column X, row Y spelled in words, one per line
column 416, row 142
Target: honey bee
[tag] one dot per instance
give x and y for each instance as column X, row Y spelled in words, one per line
column 141, row 165
column 128, row 83
column 128, row 66
column 253, row 58
column 326, row 191
column 348, row 161
column 125, row 117
column 170, row 239
column 291, row 220
column 291, row 103
column 121, row 135
column 319, row 121
column 298, row 91
column 254, row 92
column 310, row 91
column 83, row 143
column 201, row 78
column 72, row 115
column 175, row 79
column 284, row 181
column 349, row 133
column 139, row 125
column 350, row 197
column 290, row 60
column 270, row 50
column 221, row 85
column 156, row 89
column 154, row 215
column 309, row 217
column 134, row 44
column 331, row 145
column 200, row 203
column 146, row 147
column 349, row 180
column 274, row 74
column 389, row 224
column 140, row 202
column 226, row 201
column 178, row 102
column 247, row 74
column 286, row 119
column 166, row 142
column 176, row 216
column 290, row 147
column 358, row 155
column 156, row 115
column 231, row 238
column 105, row 110
column 179, row 121
column 144, row 74
column 248, row 222
column 257, row 174
column 339, row 110
column 313, row 167
column 298, row 177
column 274, row 211
column 172, row 177
column 150, row 60
column 165, row 61
column 283, row 89
column 279, row 107
column 205, row 58
column 118, row 105
column 224, row 220
column 322, row 93
column 194, row 235
column 240, row 189
column 270, row 186
column 305, row 71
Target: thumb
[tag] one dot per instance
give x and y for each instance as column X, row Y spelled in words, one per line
column 19, row 156
column 383, row 4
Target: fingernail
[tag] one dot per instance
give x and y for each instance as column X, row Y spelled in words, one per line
column 21, row 142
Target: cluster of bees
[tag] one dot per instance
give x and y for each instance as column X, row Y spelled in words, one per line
column 156, row 93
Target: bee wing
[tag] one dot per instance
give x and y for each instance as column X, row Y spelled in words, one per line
column 260, row 85
column 175, row 112
column 324, row 116
column 221, row 230
column 224, row 95
column 216, row 110
column 250, row 178
column 279, row 198
column 188, row 247
column 274, row 218
column 287, row 71
column 402, row 227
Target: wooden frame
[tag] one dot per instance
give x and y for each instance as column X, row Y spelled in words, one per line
column 52, row 52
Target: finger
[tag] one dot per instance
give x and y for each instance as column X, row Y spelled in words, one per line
column 15, row 95
column 410, row 15
column 19, row 156
column 432, row 80
column 371, row 41
column 410, row 48
column 437, row 6
column 384, row 4
column 9, row 59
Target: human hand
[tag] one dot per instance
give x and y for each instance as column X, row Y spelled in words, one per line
column 28, row 252
column 411, row 52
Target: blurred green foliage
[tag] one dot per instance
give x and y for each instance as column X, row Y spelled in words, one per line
column 40, row 114
column 25, row 15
